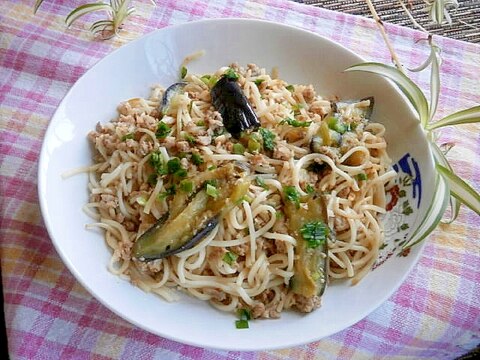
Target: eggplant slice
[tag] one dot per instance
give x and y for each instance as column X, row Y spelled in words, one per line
column 237, row 113
column 189, row 225
column 170, row 92
column 311, row 263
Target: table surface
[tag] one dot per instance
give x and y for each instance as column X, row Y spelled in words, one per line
column 435, row 314
column 465, row 23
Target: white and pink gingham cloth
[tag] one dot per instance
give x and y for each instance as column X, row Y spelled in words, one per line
column 434, row 315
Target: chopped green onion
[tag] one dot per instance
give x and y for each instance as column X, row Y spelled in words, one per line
column 156, row 161
column 310, row 189
column 127, row 137
column 152, row 179
column 292, row 194
column 171, row 190
column 183, row 72
column 361, row 176
column 212, row 191
column 173, row 165
column 163, row 130
column 231, row 74
column 197, row 159
column 244, row 314
column 212, row 167
column 268, row 138
column 296, row 123
column 241, row 324
column 189, row 138
column 201, row 123
column 259, row 81
column 181, row 173
column 290, row 88
column 314, row 233
column 336, row 125
column 211, row 81
column 186, row 186
column 238, row 149
column 253, row 145
column 230, row 257
column 212, row 182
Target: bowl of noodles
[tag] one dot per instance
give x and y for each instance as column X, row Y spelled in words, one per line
column 197, row 189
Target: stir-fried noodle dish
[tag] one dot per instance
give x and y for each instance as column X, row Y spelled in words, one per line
column 241, row 189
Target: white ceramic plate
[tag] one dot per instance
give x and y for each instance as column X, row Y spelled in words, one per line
column 301, row 57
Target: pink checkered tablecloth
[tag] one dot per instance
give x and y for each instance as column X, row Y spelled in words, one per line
column 434, row 315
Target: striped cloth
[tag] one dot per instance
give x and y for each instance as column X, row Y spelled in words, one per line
column 434, row 315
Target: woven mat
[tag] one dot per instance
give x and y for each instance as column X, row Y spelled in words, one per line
column 465, row 20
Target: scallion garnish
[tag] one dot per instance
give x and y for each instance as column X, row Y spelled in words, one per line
column 212, row 191
column 197, row 159
column 231, row 74
column 268, row 138
column 238, row 149
column 189, row 138
column 244, row 315
column 186, row 186
column 241, row 324
column 295, row 123
column 163, row 130
column 361, row 176
column 230, row 257
column 314, row 233
column 127, row 137
column 183, row 72
column 292, row 194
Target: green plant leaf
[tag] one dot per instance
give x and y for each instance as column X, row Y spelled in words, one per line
column 460, row 189
column 85, row 9
column 434, row 212
column 466, row 116
column 37, row 5
column 408, row 87
column 437, row 11
column 441, row 159
column 101, row 25
column 434, row 80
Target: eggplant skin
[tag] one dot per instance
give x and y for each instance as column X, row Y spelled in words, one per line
column 311, row 264
column 237, row 113
column 170, row 92
column 188, row 223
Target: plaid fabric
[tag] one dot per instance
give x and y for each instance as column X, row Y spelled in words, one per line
column 434, row 315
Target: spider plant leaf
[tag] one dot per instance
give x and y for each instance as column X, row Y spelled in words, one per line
column 408, row 87
column 460, row 189
column 441, row 159
column 37, row 5
column 85, row 9
column 434, row 80
column 434, row 213
column 101, row 25
column 437, row 11
column 424, row 65
column 466, row 116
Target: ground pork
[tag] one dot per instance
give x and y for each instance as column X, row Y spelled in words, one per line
column 306, row 304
